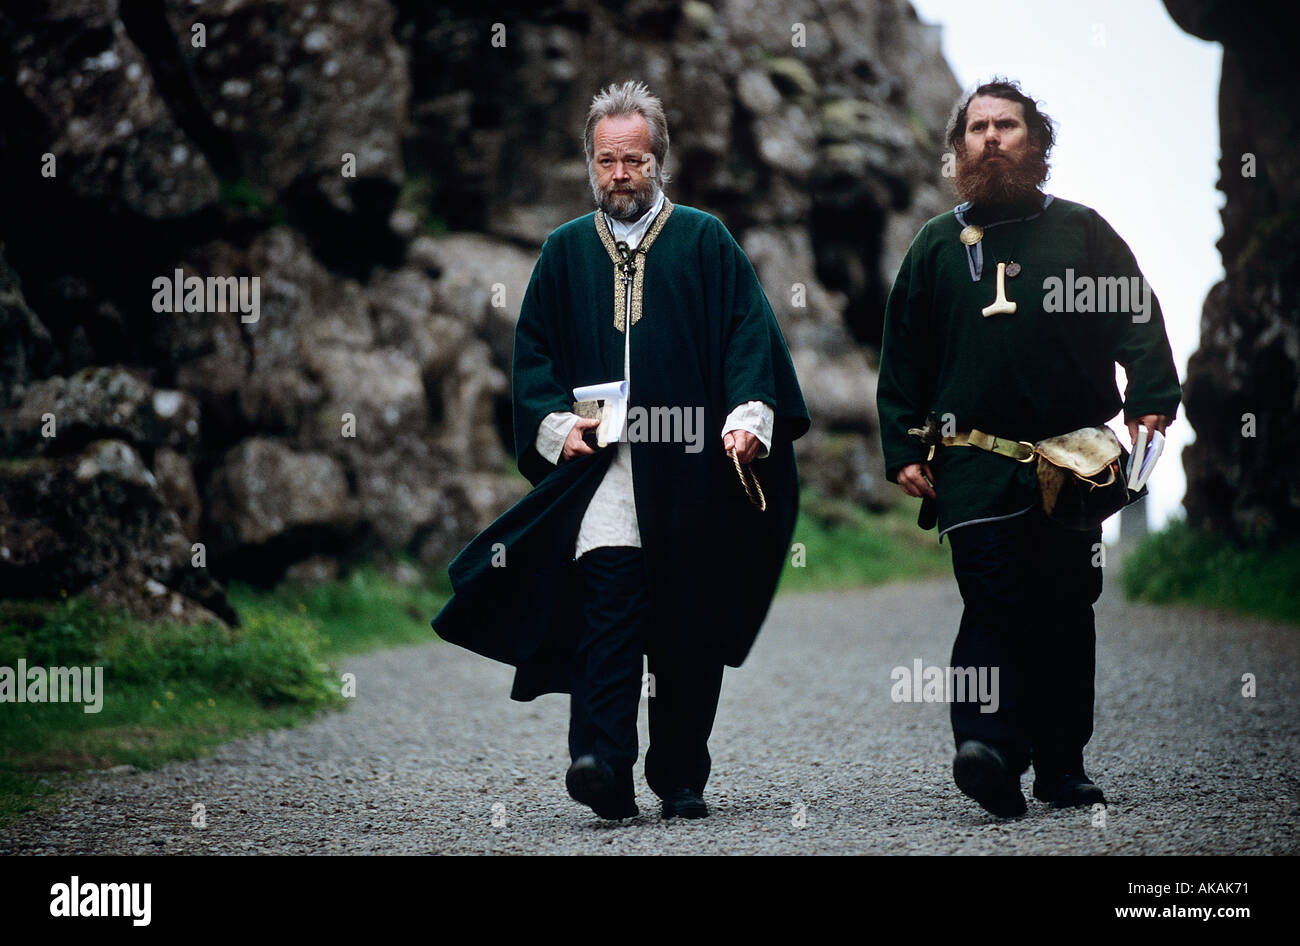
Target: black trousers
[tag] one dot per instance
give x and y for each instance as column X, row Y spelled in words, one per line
column 607, row 682
column 1029, row 586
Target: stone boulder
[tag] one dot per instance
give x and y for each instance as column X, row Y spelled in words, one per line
column 95, row 403
column 262, row 490
column 91, row 93
column 96, row 521
column 296, row 87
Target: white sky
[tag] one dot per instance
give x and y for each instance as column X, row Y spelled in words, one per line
column 1136, row 103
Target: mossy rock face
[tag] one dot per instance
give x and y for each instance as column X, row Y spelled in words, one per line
column 16, row 468
column 95, row 521
column 847, row 119
column 791, row 77
column 96, row 402
column 846, row 157
column 699, row 15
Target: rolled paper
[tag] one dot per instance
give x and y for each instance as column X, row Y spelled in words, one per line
column 613, row 412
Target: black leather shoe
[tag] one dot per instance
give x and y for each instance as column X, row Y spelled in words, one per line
column 592, row 782
column 1067, row 791
column 684, row 803
column 981, row 773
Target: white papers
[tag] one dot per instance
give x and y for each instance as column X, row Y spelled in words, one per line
column 613, row 410
column 1147, row 454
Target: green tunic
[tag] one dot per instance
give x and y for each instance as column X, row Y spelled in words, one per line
column 1046, row 369
column 705, row 337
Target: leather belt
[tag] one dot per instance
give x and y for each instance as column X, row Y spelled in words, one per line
column 1019, row 450
column 1015, row 449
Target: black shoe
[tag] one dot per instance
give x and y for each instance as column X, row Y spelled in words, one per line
column 592, row 782
column 981, row 772
column 1067, row 791
column 684, row 803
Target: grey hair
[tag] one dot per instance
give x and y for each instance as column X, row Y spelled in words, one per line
column 630, row 98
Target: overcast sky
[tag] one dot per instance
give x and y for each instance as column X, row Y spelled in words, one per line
column 1136, row 102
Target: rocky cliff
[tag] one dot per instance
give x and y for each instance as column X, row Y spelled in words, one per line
column 386, row 171
column 1243, row 383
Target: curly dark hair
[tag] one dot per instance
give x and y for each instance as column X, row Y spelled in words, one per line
column 1042, row 131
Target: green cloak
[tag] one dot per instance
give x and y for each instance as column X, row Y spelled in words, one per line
column 705, row 338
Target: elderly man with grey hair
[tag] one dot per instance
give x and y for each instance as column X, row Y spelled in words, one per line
column 645, row 535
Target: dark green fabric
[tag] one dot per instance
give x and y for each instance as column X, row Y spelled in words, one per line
column 1025, row 376
column 707, row 337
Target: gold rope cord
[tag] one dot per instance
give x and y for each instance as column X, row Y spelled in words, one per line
column 761, row 501
column 638, row 280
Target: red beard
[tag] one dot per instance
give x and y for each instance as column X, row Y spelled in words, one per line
column 1001, row 181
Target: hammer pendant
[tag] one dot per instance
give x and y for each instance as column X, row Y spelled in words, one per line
column 1000, row 305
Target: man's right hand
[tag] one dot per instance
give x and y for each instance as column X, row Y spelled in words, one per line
column 913, row 479
column 574, row 445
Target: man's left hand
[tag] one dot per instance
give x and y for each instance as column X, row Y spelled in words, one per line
column 746, row 444
column 1150, row 422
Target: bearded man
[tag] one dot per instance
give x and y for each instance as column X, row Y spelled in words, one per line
column 979, row 341
column 650, row 544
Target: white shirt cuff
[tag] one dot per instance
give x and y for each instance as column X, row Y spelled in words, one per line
column 755, row 417
column 552, row 432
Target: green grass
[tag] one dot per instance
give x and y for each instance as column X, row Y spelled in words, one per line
column 177, row 692
column 1183, row 565
column 363, row 611
column 21, row 793
column 845, row 546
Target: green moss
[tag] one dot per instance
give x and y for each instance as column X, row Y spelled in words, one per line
column 22, row 467
column 699, row 15
column 244, row 197
column 418, row 195
column 846, row 119
column 791, row 77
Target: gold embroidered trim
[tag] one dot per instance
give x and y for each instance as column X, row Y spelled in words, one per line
column 638, row 280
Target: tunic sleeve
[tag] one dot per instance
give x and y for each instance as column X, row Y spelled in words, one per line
column 757, row 364
column 1140, row 342
column 755, row 417
column 905, row 387
column 552, row 433
column 538, row 390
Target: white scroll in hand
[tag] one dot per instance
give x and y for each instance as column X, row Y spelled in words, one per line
column 613, row 408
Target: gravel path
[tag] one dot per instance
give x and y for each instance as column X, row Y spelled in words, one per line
column 810, row 755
